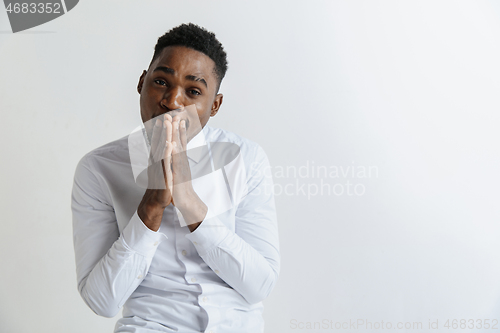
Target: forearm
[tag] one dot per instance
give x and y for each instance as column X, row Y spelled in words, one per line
column 193, row 212
column 246, row 270
column 149, row 211
column 250, row 272
column 118, row 273
column 113, row 279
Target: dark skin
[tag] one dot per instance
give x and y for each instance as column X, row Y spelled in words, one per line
column 179, row 77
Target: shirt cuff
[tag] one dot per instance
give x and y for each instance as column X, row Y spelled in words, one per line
column 140, row 238
column 209, row 234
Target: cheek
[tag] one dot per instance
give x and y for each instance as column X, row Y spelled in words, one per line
column 203, row 115
column 147, row 101
column 143, row 99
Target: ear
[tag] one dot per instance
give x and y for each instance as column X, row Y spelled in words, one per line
column 216, row 104
column 141, row 81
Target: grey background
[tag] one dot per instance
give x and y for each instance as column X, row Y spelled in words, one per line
column 408, row 87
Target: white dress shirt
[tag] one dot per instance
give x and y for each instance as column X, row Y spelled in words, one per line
column 210, row 280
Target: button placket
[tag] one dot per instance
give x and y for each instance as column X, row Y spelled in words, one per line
column 181, row 243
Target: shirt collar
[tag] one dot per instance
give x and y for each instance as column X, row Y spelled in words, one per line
column 199, row 140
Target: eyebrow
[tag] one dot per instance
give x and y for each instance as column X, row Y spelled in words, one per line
column 198, row 79
column 168, row 70
column 164, row 69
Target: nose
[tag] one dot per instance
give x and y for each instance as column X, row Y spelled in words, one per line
column 172, row 99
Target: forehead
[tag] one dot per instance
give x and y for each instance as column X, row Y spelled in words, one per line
column 185, row 61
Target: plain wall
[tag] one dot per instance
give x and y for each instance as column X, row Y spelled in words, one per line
column 397, row 100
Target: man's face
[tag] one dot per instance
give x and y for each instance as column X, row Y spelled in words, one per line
column 179, row 77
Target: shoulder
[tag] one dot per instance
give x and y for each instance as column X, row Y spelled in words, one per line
column 114, row 151
column 252, row 154
column 246, row 146
column 113, row 147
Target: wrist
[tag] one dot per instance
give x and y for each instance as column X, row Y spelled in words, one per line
column 150, row 214
column 194, row 213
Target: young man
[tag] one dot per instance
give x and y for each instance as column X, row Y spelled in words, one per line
column 189, row 244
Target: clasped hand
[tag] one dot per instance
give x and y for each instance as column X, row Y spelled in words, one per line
column 169, row 176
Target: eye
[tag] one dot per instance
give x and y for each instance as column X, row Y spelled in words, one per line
column 194, row 92
column 160, row 82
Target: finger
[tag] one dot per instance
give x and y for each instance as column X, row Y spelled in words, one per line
column 168, row 128
column 167, row 117
column 155, row 138
column 162, row 136
column 183, row 134
column 167, row 166
column 168, row 153
column 176, row 140
column 160, row 149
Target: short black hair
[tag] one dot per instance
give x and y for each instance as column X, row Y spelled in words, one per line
column 199, row 39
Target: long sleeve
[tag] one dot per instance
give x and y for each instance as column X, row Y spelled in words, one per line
column 247, row 259
column 109, row 265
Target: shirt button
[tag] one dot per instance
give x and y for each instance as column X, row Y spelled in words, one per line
column 195, row 243
column 155, row 243
column 193, row 279
column 205, row 299
column 216, row 271
column 184, row 253
column 140, row 276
